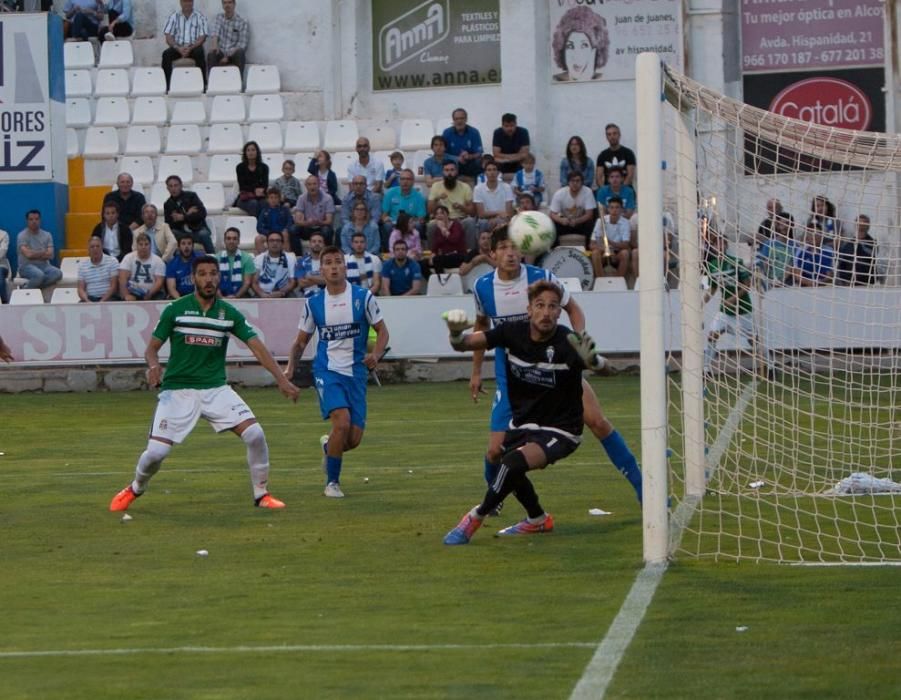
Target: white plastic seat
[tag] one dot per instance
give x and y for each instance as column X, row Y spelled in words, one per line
column 176, row 165
column 263, row 79
column 78, row 111
column 224, row 80
column 101, row 142
column 266, row 108
column 382, row 137
column 139, row 167
column 415, row 163
column 112, row 82
column 275, row 161
column 26, row 297
column 301, row 137
column 572, row 284
column 416, row 133
column 341, row 162
column 609, row 284
column 184, row 139
column 78, row 83
column 188, row 112
column 150, row 110
column 222, row 168
column 69, row 268
column 226, row 138
column 112, row 111
column 268, row 135
column 302, row 162
column 341, row 135
column 78, row 54
column 247, row 225
column 444, row 285
column 148, row 82
column 186, row 82
column 116, row 54
column 227, row 109
column 158, row 195
column 212, row 194
column 73, row 148
column 65, row 295
column 143, row 140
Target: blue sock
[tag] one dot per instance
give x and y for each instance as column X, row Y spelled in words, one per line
column 491, row 471
column 623, row 459
column 333, row 468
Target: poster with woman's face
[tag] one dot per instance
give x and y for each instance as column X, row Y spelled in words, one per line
column 600, row 39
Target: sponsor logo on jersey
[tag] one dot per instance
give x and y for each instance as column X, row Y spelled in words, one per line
column 498, row 320
column 164, row 424
column 204, row 340
column 339, row 331
column 533, row 375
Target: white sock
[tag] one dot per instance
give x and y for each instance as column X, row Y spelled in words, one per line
column 149, row 464
column 537, row 521
column 257, row 459
column 475, row 513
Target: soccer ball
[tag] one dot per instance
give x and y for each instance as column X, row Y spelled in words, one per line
column 532, row 232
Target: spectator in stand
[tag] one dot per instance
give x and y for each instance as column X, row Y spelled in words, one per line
column 404, row 231
column 814, row 259
column 35, row 248
column 141, row 273
column 615, row 187
column 321, row 167
column 306, row 272
column 510, row 145
column 185, row 32
column 404, row 198
column 179, row 275
column 479, row 255
column 275, row 216
column 581, row 46
column 572, row 209
column 228, row 38
column 822, row 213
column 117, row 238
column 464, row 146
column 576, row 158
column 401, row 276
column 433, row 166
column 457, row 197
column 447, row 243
column 611, row 242
column 529, row 180
column 4, row 267
column 615, row 156
column 361, row 224
column 185, row 213
column 359, row 193
column 776, row 253
column 288, row 186
column 253, row 179
column 162, row 240
column 765, row 230
column 274, row 278
column 236, row 267
column 365, row 165
column 131, row 203
column 493, row 200
column 857, row 258
column 392, row 176
column 84, row 17
column 315, row 211
column 525, row 202
column 121, row 21
column 98, row 276
column 363, row 269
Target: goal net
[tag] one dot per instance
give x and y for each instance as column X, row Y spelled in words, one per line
column 783, row 337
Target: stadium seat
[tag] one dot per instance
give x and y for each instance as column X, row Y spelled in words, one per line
column 609, row 284
column 65, row 295
column 112, row 82
column 222, row 168
column 381, row 137
column 266, row 108
column 188, row 112
column 116, row 54
column 227, row 109
column 78, row 54
column 26, row 297
column 78, row 111
column 150, row 110
column 263, row 80
column 212, row 194
column 142, row 141
column 274, row 160
column 301, row 136
column 184, row 138
column 148, row 82
column 268, row 135
column 186, row 82
column 112, row 111
column 444, row 285
column 73, row 148
column 69, row 268
column 139, row 167
column 572, row 284
column 224, row 80
column 416, row 134
column 415, row 163
column 341, row 135
column 226, row 138
column 158, row 195
column 101, row 142
column 341, row 162
column 78, row 83
column 176, row 165
column 247, row 225
column 301, row 163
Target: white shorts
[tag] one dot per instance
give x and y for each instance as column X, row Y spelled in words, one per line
column 178, row 411
column 742, row 325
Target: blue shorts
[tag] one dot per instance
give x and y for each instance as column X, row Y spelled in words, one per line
column 340, row 391
column 501, row 413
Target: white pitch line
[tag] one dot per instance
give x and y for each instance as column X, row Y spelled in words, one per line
column 846, row 563
column 287, row 649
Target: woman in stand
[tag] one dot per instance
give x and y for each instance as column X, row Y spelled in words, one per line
column 576, row 159
column 253, row 179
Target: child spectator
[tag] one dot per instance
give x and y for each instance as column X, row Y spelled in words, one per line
column 289, row 187
column 274, row 216
column 392, row 177
column 529, row 179
column 321, row 167
column 406, row 232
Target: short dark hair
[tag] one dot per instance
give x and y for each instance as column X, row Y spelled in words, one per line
column 508, row 118
column 204, row 260
column 32, row 211
column 615, row 200
column 460, row 109
column 275, row 191
column 174, row 177
column 527, row 195
column 290, row 162
column 436, row 138
column 440, row 207
column 541, row 286
column 395, row 154
column 611, row 125
column 575, row 174
column 229, row 229
column 498, row 236
column 331, row 250
column 491, row 162
column 182, row 235
column 277, row 233
column 111, row 204
column 399, row 241
column 358, row 234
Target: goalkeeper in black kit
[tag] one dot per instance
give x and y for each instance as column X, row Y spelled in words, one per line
column 544, row 374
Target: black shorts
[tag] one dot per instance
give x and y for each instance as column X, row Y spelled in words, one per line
column 554, row 445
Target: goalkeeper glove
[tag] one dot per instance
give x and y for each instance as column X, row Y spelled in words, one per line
column 457, row 322
column 584, row 345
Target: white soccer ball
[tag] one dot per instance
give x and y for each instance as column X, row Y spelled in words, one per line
column 532, row 232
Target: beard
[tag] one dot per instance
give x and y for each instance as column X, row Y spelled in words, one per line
column 450, row 181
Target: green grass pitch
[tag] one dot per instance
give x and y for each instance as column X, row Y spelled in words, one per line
column 358, row 598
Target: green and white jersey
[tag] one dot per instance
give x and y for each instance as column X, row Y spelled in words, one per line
column 729, row 274
column 198, row 341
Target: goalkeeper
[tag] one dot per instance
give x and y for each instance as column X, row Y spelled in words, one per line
column 544, row 375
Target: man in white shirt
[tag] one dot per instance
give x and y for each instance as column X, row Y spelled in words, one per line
column 98, row 276
column 363, row 269
column 493, row 199
column 185, row 32
column 274, row 278
column 611, row 241
column 141, row 273
column 572, row 209
column 372, row 170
